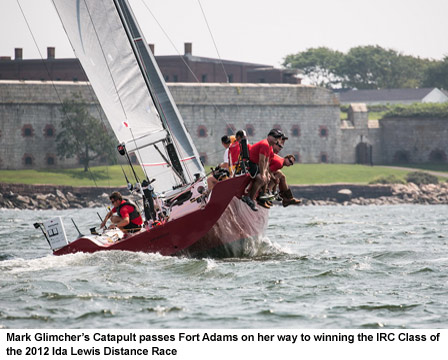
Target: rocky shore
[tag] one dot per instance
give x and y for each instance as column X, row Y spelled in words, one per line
column 20, row 196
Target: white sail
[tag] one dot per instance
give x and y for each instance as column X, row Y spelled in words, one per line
column 107, row 41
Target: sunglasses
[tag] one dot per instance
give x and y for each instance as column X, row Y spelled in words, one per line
column 280, row 146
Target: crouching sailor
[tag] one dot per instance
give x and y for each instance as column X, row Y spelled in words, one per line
column 128, row 218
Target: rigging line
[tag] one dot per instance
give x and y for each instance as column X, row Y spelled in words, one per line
column 105, row 58
column 92, row 93
column 40, row 53
column 185, row 63
column 214, row 42
column 142, row 67
column 46, row 68
column 155, row 97
column 108, row 67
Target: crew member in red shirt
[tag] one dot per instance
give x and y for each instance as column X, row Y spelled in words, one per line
column 277, row 176
column 128, row 218
column 260, row 156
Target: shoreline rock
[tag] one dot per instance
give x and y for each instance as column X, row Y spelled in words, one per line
column 45, row 197
column 350, row 194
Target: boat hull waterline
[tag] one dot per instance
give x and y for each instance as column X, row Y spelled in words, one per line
column 216, row 230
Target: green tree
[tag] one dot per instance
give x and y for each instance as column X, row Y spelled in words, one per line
column 319, row 65
column 82, row 134
column 373, row 67
column 363, row 67
column 436, row 74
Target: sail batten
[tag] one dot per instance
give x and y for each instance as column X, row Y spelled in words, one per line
column 128, row 84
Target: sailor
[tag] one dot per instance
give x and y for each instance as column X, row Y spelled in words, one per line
column 260, row 156
column 226, row 142
column 128, row 218
column 235, row 149
column 278, row 178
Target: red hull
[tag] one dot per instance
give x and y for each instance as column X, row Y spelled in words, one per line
column 224, row 221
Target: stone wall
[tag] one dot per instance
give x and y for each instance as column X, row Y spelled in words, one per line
column 30, row 119
column 414, row 140
column 308, row 115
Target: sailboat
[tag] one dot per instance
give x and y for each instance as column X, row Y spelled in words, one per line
column 140, row 110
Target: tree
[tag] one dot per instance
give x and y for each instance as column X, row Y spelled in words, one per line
column 363, row 67
column 320, row 65
column 372, row 67
column 436, row 74
column 82, row 134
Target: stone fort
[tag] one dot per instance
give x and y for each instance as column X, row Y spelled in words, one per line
column 30, row 119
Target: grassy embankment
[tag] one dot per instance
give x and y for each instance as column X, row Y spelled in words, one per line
column 112, row 176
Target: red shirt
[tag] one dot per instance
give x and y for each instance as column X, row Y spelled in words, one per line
column 234, row 152
column 276, row 163
column 261, row 147
column 125, row 212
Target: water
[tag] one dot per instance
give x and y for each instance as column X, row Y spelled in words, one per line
column 318, row 267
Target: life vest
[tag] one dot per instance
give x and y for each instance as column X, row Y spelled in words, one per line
column 134, row 214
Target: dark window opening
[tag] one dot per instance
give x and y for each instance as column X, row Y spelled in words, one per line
column 28, row 160
column 50, row 160
column 133, row 158
column 295, row 131
column 437, row 156
column 167, row 78
column 323, row 158
column 202, row 131
column 250, row 130
column 175, row 78
column 230, row 130
column 204, row 78
column 230, row 78
column 27, row 130
column 323, row 131
column 49, row 131
column 402, row 157
column 203, row 158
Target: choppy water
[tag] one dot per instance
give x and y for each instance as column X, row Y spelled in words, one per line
column 319, row 267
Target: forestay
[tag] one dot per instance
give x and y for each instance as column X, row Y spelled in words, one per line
column 107, row 41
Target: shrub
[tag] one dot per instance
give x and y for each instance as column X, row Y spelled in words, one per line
column 419, row 178
column 389, row 179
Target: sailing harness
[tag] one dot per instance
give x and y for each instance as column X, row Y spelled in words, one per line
column 133, row 215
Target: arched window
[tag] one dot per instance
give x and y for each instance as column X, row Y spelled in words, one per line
column 203, row 157
column 133, row 158
column 297, row 156
column 295, row 131
column 202, row 131
column 437, row 156
column 230, row 129
column 50, row 160
column 27, row 130
column 49, row 131
column 323, row 131
column 250, row 130
column 27, row 160
column 402, row 157
column 323, row 157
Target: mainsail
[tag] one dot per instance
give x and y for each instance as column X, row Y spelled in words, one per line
column 128, row 83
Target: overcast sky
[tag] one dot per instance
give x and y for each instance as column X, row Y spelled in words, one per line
column 258, row 31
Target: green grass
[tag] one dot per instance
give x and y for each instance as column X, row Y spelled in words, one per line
column 429, row 167
column 104, row 176
column 112, row 176
column 337, row 173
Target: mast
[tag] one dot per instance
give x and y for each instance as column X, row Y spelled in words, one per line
column 130, row 87
column 142, row 54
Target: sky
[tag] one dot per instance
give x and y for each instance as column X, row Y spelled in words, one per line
column 256, row 31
